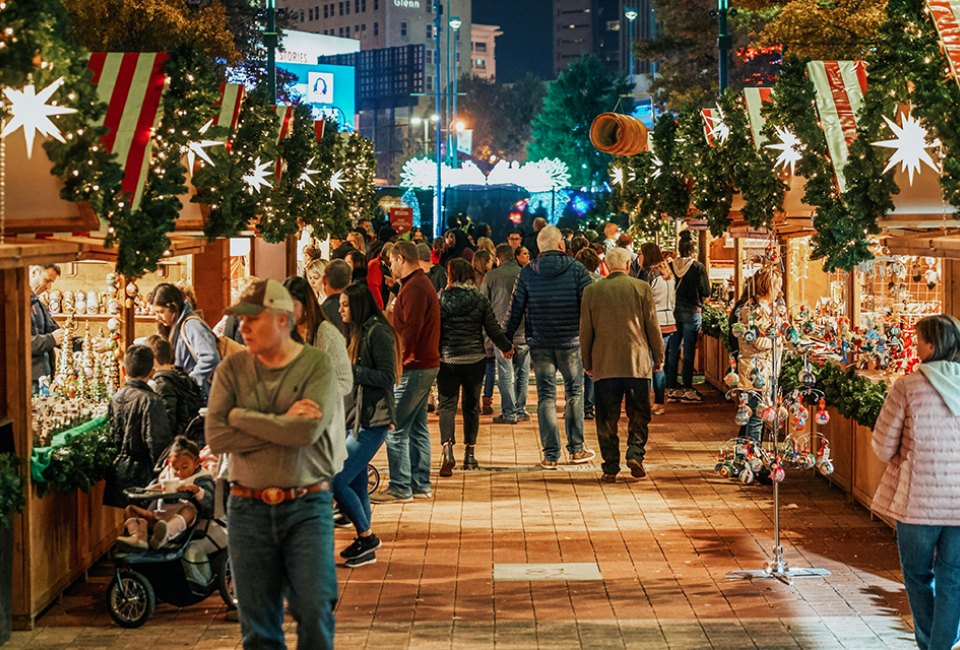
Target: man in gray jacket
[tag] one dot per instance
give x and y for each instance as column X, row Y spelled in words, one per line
column 621, row 345
column 512, row 374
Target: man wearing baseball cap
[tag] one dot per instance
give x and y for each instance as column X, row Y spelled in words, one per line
column 270, row 408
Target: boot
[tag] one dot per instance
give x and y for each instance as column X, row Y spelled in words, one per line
column 487, row 406
column 469, row 461
column 164, row 531
column 448, row 462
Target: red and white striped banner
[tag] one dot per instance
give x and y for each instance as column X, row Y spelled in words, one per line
column 709, row 123
column 231, row 101
column 840, row 87
column 285, row 121
column 131, row 84
column 318, row 127
column 946, row 16
column 755, row 98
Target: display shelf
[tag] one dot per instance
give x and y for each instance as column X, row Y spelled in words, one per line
column 140, row 318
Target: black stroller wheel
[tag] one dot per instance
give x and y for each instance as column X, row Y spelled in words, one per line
column 130, row 599
column 228, row 590
column 373, row 479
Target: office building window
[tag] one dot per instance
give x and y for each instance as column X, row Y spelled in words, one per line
column 356, row 6
column 376, row 29
column 340, row 32
column 346, row 31
column 480, row 47
column 348, row 7
column 376, row 5
column 403, row 29
column 428, row 83
column 363, row 6
column 429, row 32
column 428, row 56
column 340, row 7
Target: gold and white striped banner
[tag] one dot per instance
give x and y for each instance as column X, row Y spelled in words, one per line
column 755, row 98
column 840, row 87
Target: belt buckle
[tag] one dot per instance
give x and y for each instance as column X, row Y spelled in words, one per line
column 273, row 496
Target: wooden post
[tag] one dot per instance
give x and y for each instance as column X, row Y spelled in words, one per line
column 737, row 267
column 211, row 279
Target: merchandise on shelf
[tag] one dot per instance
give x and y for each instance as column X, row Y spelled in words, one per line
column 53, row 415
column 900, row 288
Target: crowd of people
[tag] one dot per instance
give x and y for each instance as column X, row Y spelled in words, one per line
column 305, row 380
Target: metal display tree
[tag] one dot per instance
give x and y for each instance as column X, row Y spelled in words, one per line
column 771, row 398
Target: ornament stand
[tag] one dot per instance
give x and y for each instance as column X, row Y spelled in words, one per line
column 777, row 568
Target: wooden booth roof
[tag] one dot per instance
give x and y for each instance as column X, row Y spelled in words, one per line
column 16, row 253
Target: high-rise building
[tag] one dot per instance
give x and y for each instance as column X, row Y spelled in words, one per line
column 483, row 45
column 381, row 24
column 599, row 27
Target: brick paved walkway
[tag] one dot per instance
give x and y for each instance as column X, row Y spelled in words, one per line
column 662, row 546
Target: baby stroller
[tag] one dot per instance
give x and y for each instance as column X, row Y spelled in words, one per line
column 190, row 568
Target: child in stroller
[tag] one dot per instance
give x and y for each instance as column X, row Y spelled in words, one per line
column 184, row 473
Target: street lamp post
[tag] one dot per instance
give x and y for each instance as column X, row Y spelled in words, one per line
column 724, row 40
column 446, row 90
column 631, row 13
column 270, row 40
column 426, row 133
column 455, row 24
column 438, row 204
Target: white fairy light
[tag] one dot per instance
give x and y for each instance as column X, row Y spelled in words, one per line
column 909, row 146
column 30, row 110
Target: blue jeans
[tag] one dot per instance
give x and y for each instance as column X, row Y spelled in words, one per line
column 588, row 395
column 408, row 446
column 660, row 377
column 753, row 429
column 930, row 559
column 284, row 550
column 546, row 363
column 489, row 377
column 513, row 376
column 350, row 485
column 688, row 330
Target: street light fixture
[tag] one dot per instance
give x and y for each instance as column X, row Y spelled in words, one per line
column 270, row 41
column 455, row 24
column 631, row 13
column 724, row 39
column 416, row 121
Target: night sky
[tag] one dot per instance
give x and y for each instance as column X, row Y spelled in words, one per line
column 525, row 44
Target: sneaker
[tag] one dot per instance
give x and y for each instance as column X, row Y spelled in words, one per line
column 361, row 546
column 608, row 478
column 582, row 456
column 523, row 417
column 423, row 495
column 389, row 497
column 636, row 468
column 502, row 419
column 546, row 463
column 363, row 560
column 589, row 416
column 340, row 520
column 690, row 395
column 159, row 534
column 658, row 409
column 673, row 395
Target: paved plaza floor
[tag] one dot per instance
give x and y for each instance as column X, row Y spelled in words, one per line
column 511, row 556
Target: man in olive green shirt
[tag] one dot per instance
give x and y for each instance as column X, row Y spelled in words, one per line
column 270, row 409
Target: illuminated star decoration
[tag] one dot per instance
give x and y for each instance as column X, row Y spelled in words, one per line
column 719, row 130
column 790, row 148
column 197, row 149
column 257, row 178
column 616, row 176
column 307, row 173
column 657, row 167
column 31, row 111
column 909, row 146
column 336, row 181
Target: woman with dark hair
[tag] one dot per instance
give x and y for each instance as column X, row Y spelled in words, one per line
column 692, row 288
column 312, row 327
column 657, row 273
column 523, row 256
column 374, row 353
column 358, row 266
column 465, row 314
column 918, row 435
column 455, row 244
column 482, row 263
column 194, row 343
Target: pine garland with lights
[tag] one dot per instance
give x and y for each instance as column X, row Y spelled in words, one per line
column 284, row 203
column 325, row 209
column 359, row 164
column 710, row 170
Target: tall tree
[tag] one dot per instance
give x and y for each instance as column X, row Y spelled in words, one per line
column 562, row 128
column 501, row 115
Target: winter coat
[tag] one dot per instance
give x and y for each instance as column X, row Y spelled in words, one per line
column 498, row 286
column 918, row 435
column 693, row 285
column 42, row 345
column 138, row 424
column 331, row 309
column 465, row 314
column 195, row 348
column 665, row 297
column 758, row 354
column 548, row 294
column 438, row 277
column 374, row 376
column 181, row 396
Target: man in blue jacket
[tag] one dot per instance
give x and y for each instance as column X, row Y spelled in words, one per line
column 547, row 298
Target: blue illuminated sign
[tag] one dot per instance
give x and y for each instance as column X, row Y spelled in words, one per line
column 329, row 89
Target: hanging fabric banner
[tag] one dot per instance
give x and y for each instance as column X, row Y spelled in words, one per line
column 285, row 121
column 840, row 87
column 231, row 101
column 131, row 84
column 318, row 127
column 755, row 98
column 946, row 17
column 709, row 116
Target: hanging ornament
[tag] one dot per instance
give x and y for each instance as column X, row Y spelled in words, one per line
column 336, row 181
column 738, row 330
column 257, row 179
column 744, row 413
column 768, row 413
column 30, row 110
column 746, row 476
column 307, row 173
column 909, row 146
column 822, row 417
column 777, row 473
column 198, row 149
column 807, row 378
column 757, row 379
column 616, row 176
column 790, row 148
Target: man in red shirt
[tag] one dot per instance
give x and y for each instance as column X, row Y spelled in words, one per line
column 416, row 318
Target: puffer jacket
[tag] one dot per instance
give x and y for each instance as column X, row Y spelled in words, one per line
column 465, row 314
column 548, row 293
column 919, row 436
column 374, row 375
column 138, row 424
column 181, row 397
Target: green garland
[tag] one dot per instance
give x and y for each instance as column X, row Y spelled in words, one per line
column 716, row 323
column 326, row 210
column 11, row 488
column 79, row 463
column 359, row 164
column 281, row 207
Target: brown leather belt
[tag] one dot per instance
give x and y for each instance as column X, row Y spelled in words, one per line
column 274, row 496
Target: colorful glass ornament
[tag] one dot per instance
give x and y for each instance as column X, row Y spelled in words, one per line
column 822, row 417
column 777, row 473
column 744, row 413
